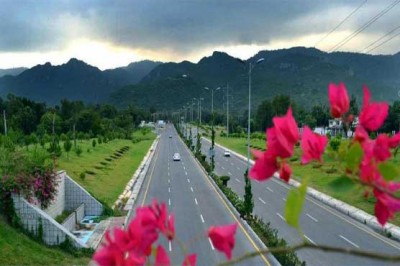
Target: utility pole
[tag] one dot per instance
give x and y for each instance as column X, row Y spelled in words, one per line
column 227, row 109
column 5, row 122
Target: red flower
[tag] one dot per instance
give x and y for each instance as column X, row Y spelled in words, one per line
column 285, row 133
column 381, row 148
column 162, row 258
column 313, row 146
column 338, row 99
column 285, row 172
column 223, row 238
column 394, row 141
column 385, row 206
column 264, row 167
column 372, row 115
column 190, row 260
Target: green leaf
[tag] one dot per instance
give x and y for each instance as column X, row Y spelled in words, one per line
column 388, row 170
column 294, row 204
column 342, row 184
column 354, row 156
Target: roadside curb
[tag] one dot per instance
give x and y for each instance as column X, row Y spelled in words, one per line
column 248, row 228
column 133, row 187
column 389, row 230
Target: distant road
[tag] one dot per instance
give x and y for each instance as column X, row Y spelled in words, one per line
column 320, row 223
column 195, row 202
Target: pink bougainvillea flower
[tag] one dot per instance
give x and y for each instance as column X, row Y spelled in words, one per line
column 361, row 135
column 385, row 206
column 286, row 134
column 190, row 260
column 338, row 99
column 265, row 166
column 313, row 146
column 381, row 149
column 394, row 141
column 162, row 258
column 109, row 255
column 223, row 238
column 372, row 115
column 285, row 172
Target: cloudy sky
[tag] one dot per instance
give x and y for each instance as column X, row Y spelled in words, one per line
column 108, row 34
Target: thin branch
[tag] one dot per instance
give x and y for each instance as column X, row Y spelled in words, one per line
column 326, row 248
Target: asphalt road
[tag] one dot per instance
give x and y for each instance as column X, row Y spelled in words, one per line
column 195, row 202
column 320, row 223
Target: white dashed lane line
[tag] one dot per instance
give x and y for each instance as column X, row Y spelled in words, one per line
column 202, row 219
column 312, row 218
column 191, row 188
column 188, row 180
column 348, row 241
column 169, row 202
column 169, row 190
column 195, row 200
column 260, row 199
column 280, row 216
column 269, row 189
column 237, row 180
column 309, row 239
column 211, row 244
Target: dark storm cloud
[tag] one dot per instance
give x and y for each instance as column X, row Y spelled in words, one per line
column 177, row 25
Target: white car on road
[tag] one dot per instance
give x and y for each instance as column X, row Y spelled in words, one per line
column 227, row 153
column 176, row 157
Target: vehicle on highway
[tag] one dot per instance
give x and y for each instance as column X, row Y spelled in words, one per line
column 227, row 153
column 170, row 136
column 176, row 157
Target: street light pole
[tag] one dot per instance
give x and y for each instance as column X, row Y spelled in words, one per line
column 249, row 113
column 5, row 122
column 227, row 109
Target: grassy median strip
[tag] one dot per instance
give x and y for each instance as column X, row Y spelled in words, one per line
column 18, row 249
column 106, row 169
column 324, row 179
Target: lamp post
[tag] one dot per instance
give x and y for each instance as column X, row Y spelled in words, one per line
column 212, row 98
column 200, row 99
column 251, row 66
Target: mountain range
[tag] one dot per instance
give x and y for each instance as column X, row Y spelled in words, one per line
column 12, row 71
column 73, row 80
column 302, row 73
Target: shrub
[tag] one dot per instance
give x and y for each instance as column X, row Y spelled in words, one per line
column 82, row 176
column 78, row 150
column 94, row 143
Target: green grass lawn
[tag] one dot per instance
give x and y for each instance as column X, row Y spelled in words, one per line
column 18, row 249
column 106, row 174
column 319, row 178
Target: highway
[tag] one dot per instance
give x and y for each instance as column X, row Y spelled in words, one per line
column 320, row 223
column 196, row 204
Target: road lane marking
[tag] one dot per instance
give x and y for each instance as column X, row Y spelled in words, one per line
column 229, row 173
column 344, row 218
column 170, row 246
column 309, row 239
column 151, row 175
column 169, row 181
column 280, row 216
column 212, row 246
column 268, row 188
column 260, row 199
column 283, row 199
column 348, row 241
column 263, row 257
column 168, row 173
column 188, row 180
column 312, row 218
column 237, row 180
column 184, row 168
column 169, row 190
column 223, row 168
column 191, row 188
column 202, row 219
column 195, row 200
column 169, row 202
column 186, row 173
column 238, row 168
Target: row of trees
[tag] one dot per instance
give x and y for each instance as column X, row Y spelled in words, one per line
column 28, row 120
column 316, row 116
